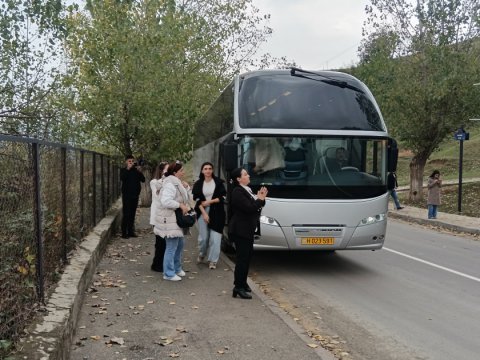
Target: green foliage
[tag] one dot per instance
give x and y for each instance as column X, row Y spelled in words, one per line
column 420, row 62
column 446, row 159
column 470, row 200
column 30, row 50
column 145, row 70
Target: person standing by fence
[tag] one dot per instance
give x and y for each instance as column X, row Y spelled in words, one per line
column 131, row 177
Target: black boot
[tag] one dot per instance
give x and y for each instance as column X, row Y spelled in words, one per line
column 247, row 288
column 242, row 293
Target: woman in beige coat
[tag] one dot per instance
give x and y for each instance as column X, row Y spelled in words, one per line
column 173, row 194
column 434, row 185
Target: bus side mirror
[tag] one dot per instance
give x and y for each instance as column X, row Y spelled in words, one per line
column 392, row 154
column 230, row 156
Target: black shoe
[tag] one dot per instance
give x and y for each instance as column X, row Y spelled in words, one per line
column 125, row 236
column 242, row 293
column 153, row 268
column 247, row 288
column 400, row 208
column 133, row 235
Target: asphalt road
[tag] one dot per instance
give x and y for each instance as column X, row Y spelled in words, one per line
column 418, row 298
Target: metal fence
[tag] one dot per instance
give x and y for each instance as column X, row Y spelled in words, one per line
column 51, row 195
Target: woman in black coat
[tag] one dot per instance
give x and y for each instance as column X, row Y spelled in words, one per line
column 246, row 208
column 209, row 193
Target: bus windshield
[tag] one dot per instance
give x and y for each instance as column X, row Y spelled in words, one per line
column 281, row 101
column 316, row 167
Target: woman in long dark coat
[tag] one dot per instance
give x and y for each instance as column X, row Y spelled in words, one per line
column 246, row 209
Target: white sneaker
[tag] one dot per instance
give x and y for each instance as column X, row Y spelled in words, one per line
column 181, row 273
column 173, row 278
column 200, row 259
column 212, row 265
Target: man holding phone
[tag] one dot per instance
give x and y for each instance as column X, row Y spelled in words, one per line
column 131, row 177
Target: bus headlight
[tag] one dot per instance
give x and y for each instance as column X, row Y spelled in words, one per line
column 369, row 220
column 268, row 221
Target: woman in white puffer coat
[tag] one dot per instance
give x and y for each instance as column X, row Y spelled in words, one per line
column 174, row 194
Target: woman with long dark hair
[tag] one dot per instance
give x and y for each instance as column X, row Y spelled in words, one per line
column 434, row 185
column 209, row 194
column 246, row 209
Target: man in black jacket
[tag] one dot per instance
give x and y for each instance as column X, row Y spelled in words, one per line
column 131, row 177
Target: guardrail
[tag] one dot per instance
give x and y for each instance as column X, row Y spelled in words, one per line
column 51, row 195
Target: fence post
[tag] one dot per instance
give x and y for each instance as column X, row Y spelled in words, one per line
column 82, row 208
column 38, row 221
column 64, row 202
column 115, row 180
column 94, row 190
column 110, row 197
column 102, row 185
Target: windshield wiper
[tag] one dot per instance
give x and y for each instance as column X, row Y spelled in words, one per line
column 326, row 79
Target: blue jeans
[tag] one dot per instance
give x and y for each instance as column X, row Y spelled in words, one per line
column 432, row 211
column 208, row 239
column 395, row 198
column 172, row 260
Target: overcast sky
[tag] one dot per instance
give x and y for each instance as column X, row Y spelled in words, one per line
column 317, row 34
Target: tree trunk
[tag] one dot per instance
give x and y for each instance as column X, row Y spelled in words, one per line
column 127, row 147
column 146, row 193
column 417, row 167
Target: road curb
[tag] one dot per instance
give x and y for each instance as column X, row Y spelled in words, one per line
column 434, row 222
column 50, row 337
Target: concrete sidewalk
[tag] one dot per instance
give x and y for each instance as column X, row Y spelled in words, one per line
column 130, row 312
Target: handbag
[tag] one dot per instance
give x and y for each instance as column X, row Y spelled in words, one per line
column 185, row 220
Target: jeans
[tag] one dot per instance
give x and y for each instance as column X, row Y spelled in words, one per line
column 432, row 211
column 172, row 260
column 208, row 239
column 395, row 198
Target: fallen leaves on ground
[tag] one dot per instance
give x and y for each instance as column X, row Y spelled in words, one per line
column 115, row 341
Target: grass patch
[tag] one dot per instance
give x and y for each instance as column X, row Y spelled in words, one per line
column 470, row 200
column 446, row 160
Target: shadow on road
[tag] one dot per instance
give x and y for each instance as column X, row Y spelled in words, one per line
column 319, row 263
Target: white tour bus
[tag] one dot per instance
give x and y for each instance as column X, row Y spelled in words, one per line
column 318, row 141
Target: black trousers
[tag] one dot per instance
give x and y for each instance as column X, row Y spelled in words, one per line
column 128, row 219
column 160, row 246
column 244, row 253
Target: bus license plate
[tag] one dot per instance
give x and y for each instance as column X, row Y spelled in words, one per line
column 318, row 241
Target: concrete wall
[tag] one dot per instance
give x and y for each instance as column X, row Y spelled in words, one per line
column 51, row 335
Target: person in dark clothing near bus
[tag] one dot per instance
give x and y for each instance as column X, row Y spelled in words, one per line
column 131, row 177
column 392, row 184
column 246, row 210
